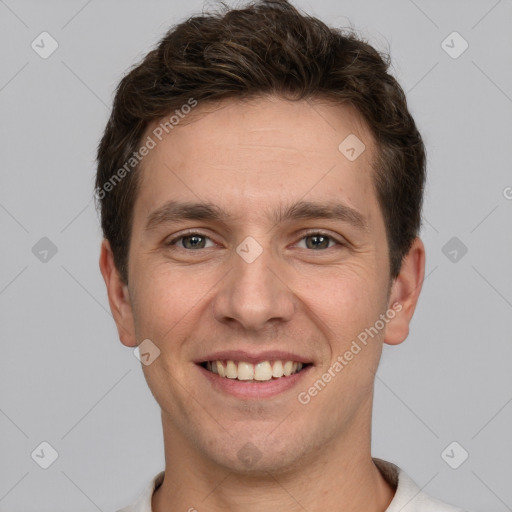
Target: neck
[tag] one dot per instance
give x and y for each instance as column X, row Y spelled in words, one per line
column 342, row 477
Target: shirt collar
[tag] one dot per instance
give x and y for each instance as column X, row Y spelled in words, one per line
column 408, row 496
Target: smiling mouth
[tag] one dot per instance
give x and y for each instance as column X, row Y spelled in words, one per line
column 259, row 372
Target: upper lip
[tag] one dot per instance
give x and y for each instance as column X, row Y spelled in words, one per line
column 253, row 357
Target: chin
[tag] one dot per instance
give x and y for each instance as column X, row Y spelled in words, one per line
column 258, row 457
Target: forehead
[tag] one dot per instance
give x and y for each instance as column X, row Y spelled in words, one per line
column 249, row 154
column 302, row 128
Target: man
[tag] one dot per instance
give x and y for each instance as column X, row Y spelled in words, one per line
column 260, row 182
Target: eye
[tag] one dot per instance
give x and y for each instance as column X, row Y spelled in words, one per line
column 192, row 241
column 318, row 241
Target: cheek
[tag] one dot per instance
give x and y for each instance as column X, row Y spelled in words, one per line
column 346, row 300
column 163, row 298
column 173, row 302
column 345, row 308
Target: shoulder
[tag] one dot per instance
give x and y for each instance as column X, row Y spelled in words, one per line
column 143, row 502
column 408, row 496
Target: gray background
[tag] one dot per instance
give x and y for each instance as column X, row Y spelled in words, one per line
column 65, row 377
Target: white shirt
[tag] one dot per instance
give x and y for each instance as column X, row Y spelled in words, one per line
column 408, row 496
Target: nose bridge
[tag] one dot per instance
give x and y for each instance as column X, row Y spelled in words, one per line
column 253, row 293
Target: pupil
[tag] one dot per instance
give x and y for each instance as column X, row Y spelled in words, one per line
column 319, row 242
column 194, row 241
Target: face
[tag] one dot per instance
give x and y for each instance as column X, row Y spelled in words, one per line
column 259, row 248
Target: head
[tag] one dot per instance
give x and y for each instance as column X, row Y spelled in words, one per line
column 260, row 181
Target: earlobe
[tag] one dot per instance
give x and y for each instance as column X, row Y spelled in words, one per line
column 118, row 296
column 405, row 292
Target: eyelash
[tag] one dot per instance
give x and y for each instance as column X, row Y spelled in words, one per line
column 305, row 235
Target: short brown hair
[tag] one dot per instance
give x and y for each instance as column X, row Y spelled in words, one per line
column 267, row 47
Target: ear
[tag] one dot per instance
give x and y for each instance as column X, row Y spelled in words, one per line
column 118, row 296
column 405, row 292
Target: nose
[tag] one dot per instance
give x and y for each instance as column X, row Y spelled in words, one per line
column 254, row 295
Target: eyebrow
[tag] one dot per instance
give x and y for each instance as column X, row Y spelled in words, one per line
column 175, row 211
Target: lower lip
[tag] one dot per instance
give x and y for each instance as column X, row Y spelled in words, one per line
column 251, row 389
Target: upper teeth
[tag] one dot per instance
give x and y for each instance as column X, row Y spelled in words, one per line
column 248, row 371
